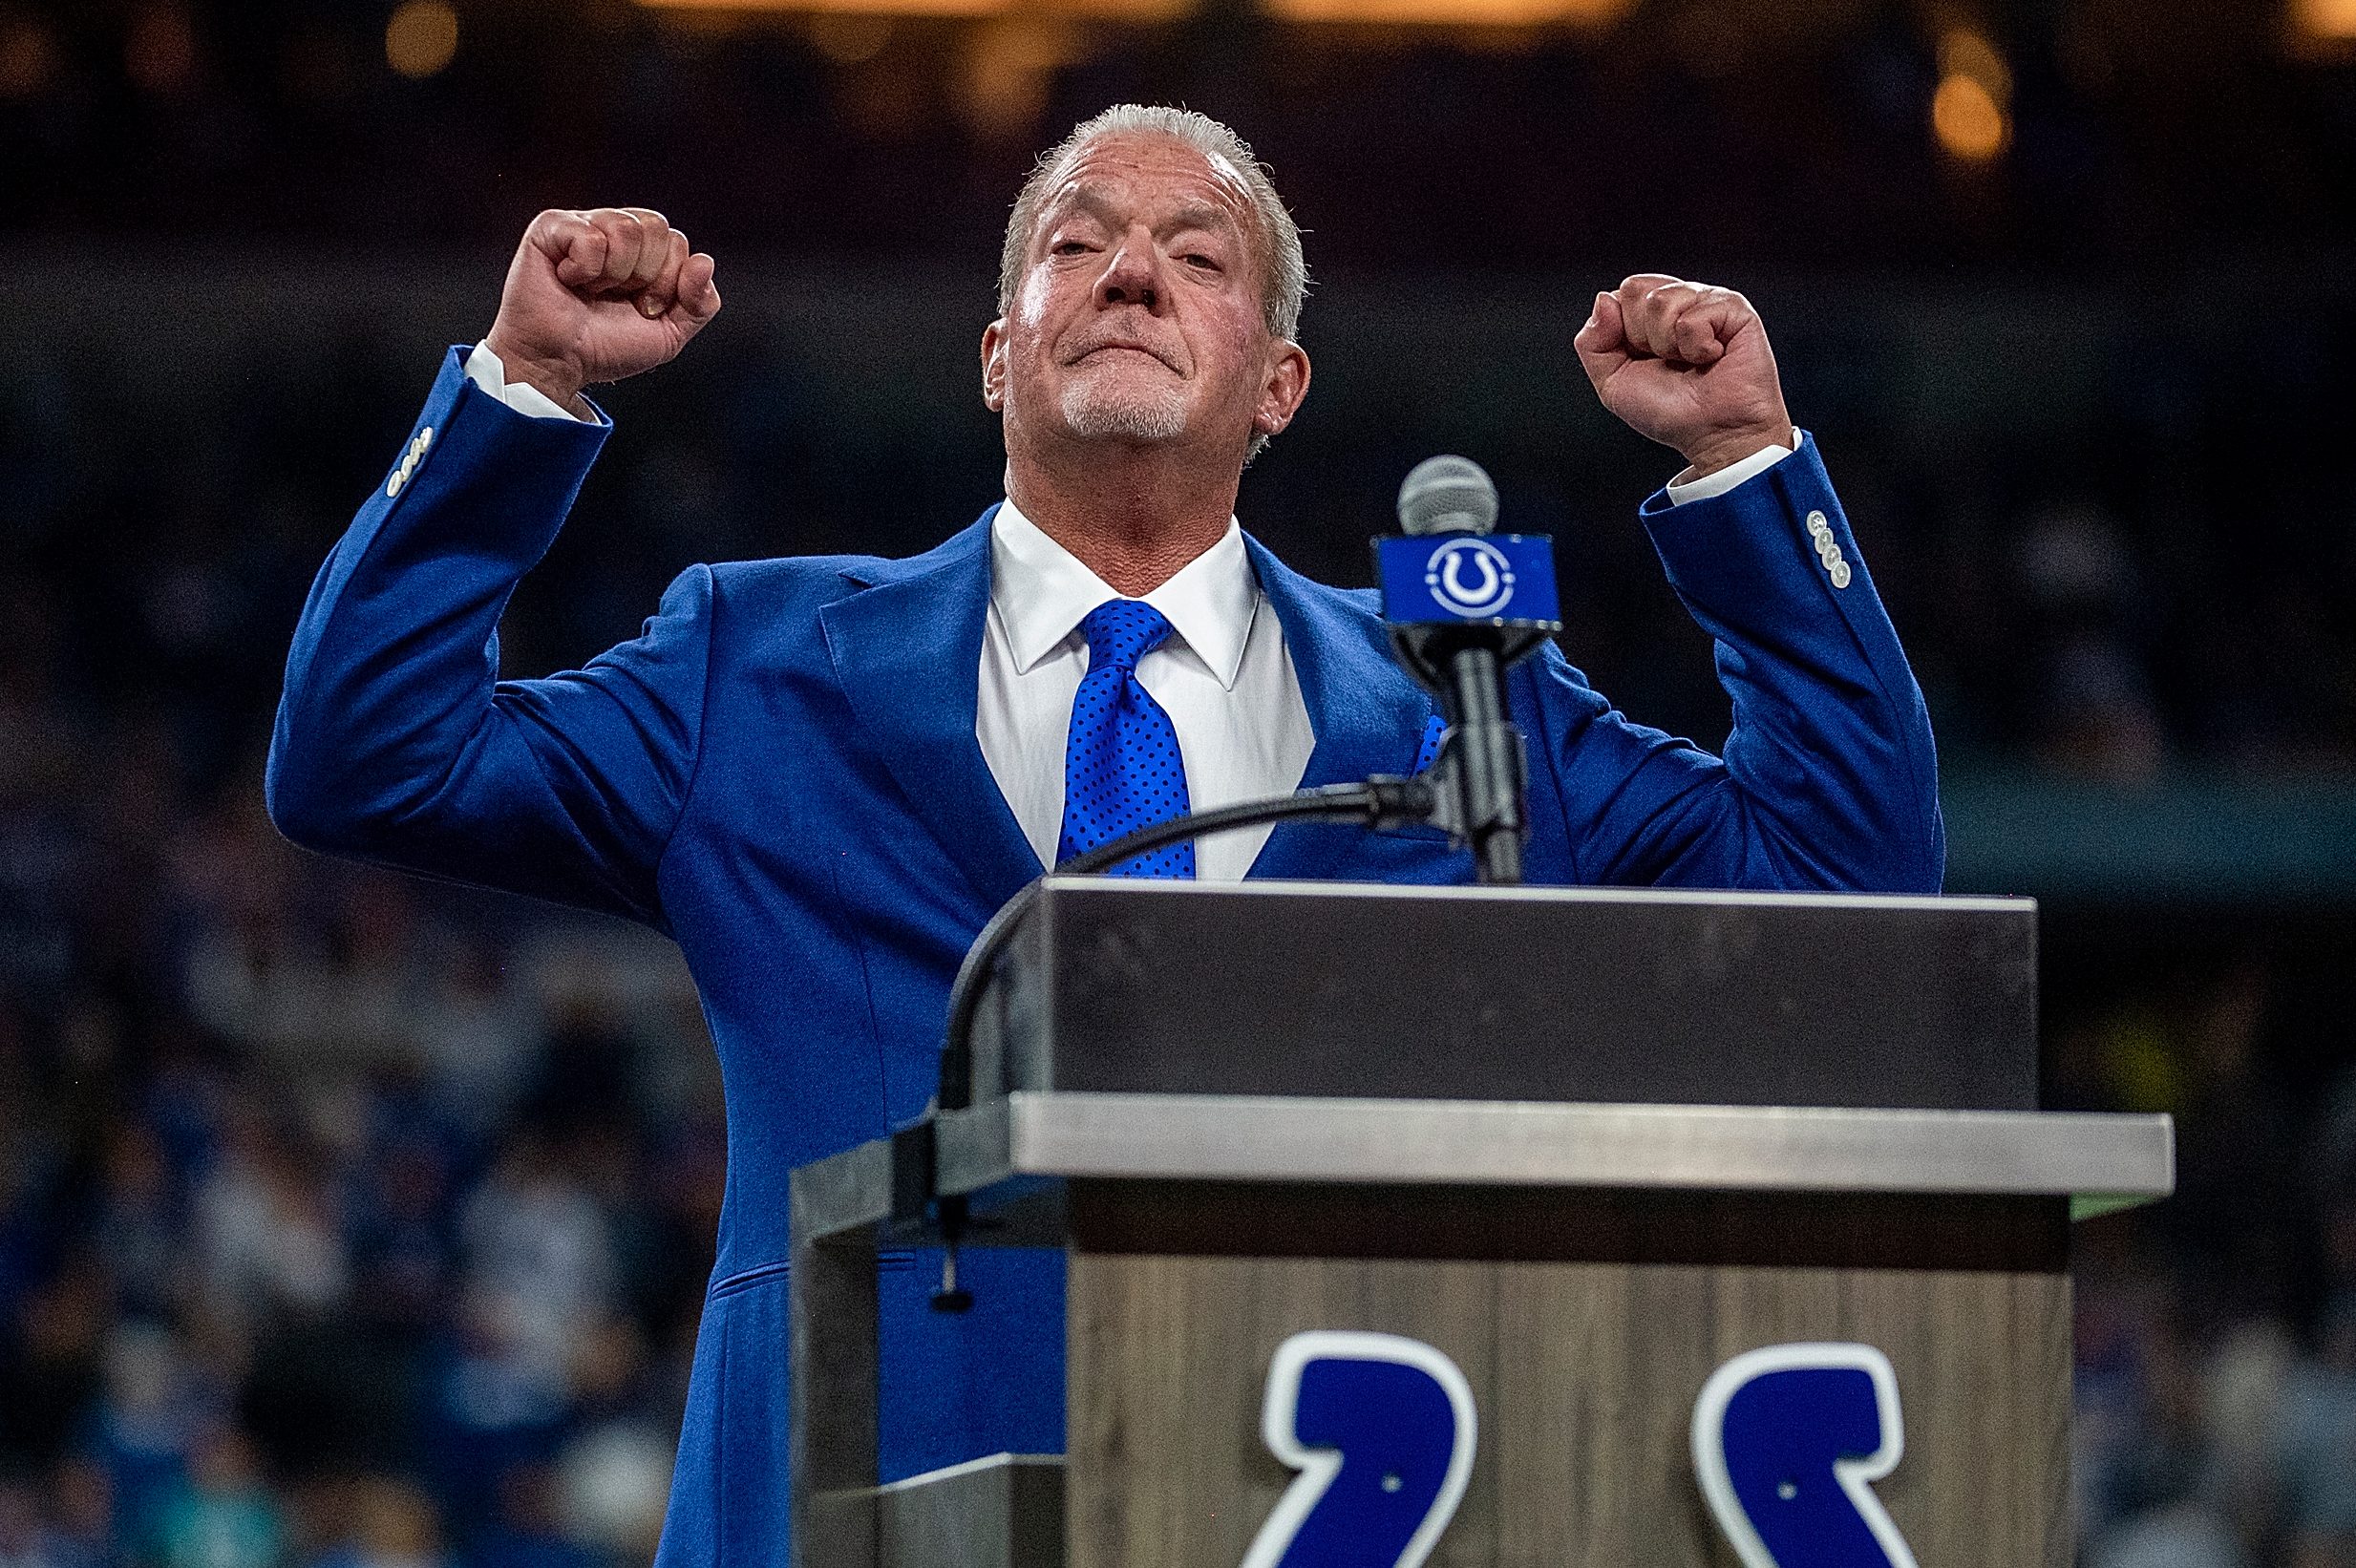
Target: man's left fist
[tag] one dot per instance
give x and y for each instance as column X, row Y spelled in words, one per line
column 1689, row 365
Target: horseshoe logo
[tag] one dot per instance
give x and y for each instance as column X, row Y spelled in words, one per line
column 1491, row 571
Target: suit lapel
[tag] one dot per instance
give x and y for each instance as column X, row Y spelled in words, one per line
column 907, row 650
column 1367, row 714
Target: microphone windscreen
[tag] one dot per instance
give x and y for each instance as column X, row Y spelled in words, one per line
column 1447, row 495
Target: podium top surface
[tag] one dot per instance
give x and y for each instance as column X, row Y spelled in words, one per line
column 1516, row 994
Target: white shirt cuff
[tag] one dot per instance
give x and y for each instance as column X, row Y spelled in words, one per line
column 484, row 370
column 1682, row 490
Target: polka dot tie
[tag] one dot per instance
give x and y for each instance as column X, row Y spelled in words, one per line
column 1121, row 767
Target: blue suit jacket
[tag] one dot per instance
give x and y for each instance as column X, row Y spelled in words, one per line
column 781, row 774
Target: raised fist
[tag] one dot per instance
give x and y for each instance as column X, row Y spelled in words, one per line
column 597, row 296
column 1689, row 365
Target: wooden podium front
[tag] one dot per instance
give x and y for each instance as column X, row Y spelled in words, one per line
column 1588, row 1266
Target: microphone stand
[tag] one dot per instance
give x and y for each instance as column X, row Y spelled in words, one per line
column 1481, row 777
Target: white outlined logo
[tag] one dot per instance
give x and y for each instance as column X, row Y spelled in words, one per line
column 1390, row 1454
column 1490, row 569
column 1812, row 1421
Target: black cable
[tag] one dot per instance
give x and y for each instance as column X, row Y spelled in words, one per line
column 1378, row 802
column 956, row 1090
column 1365, row 800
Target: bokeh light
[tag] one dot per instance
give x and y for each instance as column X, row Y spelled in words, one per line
column 160, row 49
column 423, row 38
column 1965, row 52
column 27, row 58
column 1967, row 119
column 869, row 7
column 1970, row 111
column 1491, row 15
column 2326, row 21
column 1008, row 66
column 1451, row 13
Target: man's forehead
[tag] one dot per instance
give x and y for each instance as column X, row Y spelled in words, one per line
column 1119, row 156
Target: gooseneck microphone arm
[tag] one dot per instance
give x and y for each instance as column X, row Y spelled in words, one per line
column 1379, row 802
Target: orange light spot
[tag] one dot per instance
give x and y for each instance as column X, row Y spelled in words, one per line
column 1967, row 119
column 423, row 38
column 2332, row 21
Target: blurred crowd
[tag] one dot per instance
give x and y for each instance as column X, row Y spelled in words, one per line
column 2217, row 1332
column 336, row 1225
column 343, row 1221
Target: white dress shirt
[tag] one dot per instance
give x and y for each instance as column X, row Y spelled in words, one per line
column 1223, row 675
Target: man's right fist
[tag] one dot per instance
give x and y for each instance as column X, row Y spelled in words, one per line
column 599, row 295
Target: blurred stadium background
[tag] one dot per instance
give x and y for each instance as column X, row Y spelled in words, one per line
column 350, row 1220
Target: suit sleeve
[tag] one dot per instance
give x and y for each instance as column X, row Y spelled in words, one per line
column 395, row 741
column 1829, row 780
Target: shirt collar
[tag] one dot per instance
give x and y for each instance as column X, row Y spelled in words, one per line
column 1042, row 591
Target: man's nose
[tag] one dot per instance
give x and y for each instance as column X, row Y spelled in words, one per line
column 1132, row 274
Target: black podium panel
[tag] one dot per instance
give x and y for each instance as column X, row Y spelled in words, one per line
column 1517, row 994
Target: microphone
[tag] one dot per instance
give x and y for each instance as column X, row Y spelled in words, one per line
column 1447, row 495
column 1463, row 603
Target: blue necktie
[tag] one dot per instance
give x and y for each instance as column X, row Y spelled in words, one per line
column 1121, row 765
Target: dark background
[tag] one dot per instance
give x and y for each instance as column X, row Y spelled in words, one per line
column 348, row 1219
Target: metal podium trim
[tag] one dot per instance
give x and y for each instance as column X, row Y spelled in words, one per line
column 2102, row 1160
column 1997, row 902
column 1025, row 1145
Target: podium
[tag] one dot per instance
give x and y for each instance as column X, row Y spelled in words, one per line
column 1588, row 1145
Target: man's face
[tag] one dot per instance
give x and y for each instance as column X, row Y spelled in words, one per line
column 1139, row 316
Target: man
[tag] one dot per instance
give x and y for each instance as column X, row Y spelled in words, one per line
column 822, row 776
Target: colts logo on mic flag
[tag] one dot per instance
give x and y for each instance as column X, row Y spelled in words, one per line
column 1491, row 574
column 1467, row 579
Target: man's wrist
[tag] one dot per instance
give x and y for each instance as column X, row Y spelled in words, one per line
column 1689, row 487
column 1726, row 451
column 558, row 383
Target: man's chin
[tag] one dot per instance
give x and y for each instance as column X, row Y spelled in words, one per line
column 1094, row 414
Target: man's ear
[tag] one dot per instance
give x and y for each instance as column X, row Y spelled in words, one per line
column 995, row 365
column 1288, row 384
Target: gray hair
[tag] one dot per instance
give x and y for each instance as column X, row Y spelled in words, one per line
column 1285, row 278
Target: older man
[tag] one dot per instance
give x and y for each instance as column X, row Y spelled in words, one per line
column 822, row 776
